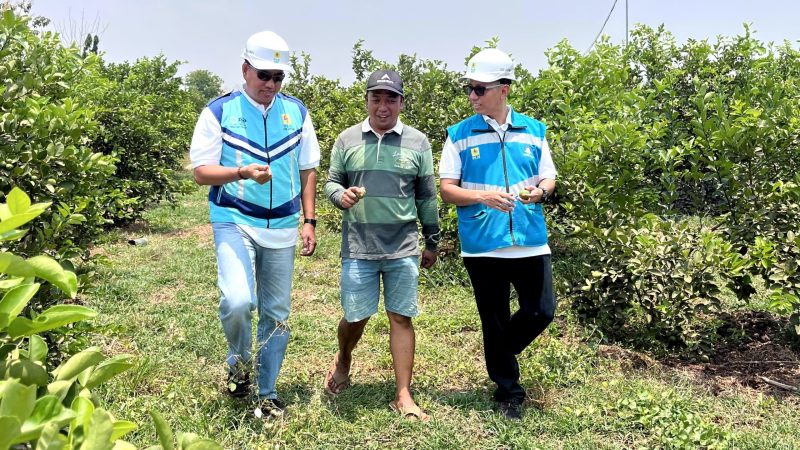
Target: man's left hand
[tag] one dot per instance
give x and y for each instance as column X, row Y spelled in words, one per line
column 428, row 259
column 535, row 195
column 309, row 240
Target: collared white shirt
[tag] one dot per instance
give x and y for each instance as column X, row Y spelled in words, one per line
column 450, row 167
column 366, row 128
column 206, row 149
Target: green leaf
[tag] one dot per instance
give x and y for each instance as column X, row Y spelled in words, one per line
column 123, row 445
column 163, row 430
column 51, row 438
column 121, row 428
column 11, row 428
column 78, row 363
column 16, row 221
column 18, row 201
column 53, row 317
column 48, row 269
column 12, row 235
column 109, row 368
column 15, row 301
column 28, row 372
column 13, row 265
column 83, row 408
column 48, row 409
column 59, row 388
column 37, row 349
column 18, row 400
column 10, row 283
column 98, row 432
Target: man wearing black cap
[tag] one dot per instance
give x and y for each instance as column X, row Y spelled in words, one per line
column 381, row 176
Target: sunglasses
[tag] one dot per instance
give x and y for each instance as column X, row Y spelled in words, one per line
column 265, row 75
column 479, row 90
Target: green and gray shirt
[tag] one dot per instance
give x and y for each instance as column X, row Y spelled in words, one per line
column 397, row 172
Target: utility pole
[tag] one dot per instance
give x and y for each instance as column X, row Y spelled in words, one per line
column 626, row 23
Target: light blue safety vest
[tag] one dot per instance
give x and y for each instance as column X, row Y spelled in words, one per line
column 249, row 137
column 504, row 162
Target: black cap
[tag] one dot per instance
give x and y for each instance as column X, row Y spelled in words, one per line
column 387, row 80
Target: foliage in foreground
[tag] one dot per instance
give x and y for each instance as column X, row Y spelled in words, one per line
column 58, row 411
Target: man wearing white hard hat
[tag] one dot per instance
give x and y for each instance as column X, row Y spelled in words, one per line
column 257, row 149
column 497, row 169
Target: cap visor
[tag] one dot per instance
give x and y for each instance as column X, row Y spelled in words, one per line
column 384, row 88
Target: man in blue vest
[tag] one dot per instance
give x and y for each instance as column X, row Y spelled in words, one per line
column 258, row 151
column 497, row 169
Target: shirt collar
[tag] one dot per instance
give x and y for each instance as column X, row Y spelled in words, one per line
column 366, row 127
column 258, row 106
column 493, row 123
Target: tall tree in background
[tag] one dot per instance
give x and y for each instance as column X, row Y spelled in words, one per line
column 203, row 85
column 90, row 44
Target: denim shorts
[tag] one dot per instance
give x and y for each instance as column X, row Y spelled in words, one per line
column 360, row 287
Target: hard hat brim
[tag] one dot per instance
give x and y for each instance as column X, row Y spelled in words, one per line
column 262, row 64
column 488, row 78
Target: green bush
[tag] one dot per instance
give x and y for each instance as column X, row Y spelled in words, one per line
column 38, row 410
column 45, row 136
column 146, row 121
column 657, row 284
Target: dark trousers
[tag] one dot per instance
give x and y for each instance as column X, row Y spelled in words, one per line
column 506, row 335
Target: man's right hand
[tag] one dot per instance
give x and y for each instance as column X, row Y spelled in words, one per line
column 501, row 201
column 260, row 173
column 350, row 197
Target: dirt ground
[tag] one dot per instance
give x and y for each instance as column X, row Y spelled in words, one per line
column 754, row 355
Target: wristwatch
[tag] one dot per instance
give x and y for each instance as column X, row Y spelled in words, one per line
column 545, row 194
column 313, row 222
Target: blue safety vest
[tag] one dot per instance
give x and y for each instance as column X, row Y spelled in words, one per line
column 504, row 162
column 250, row 137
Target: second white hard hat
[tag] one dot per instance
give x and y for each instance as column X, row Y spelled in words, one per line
column 267, row 51
column 489, row 65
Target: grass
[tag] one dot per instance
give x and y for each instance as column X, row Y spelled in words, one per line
column 159, row 302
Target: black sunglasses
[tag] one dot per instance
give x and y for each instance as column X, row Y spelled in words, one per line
column 265, row 75
column 479, row 90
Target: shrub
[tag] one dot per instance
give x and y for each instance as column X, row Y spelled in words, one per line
column 45, row 132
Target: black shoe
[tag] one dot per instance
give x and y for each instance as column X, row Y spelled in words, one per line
column 267, row 408
column 512, row 410
column 238, row 381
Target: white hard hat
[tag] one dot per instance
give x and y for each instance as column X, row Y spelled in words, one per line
column 267, row 51
column 489, row 65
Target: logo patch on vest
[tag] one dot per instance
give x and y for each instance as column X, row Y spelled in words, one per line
column 286, row 119
column 527, row 152
column 476, row 152
column 239, row 122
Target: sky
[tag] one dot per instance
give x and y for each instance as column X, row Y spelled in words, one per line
column 210, row 35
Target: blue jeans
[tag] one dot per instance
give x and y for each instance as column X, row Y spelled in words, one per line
column 251, row 277
column 360, row 287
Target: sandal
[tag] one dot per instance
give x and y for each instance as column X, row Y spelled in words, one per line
column 412, row 413
column 333, row 387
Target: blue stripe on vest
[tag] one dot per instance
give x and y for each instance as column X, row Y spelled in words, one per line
column 246, row 150
column 242, row 138
column 286, row 139
column 219, row 197
column 273, row 158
